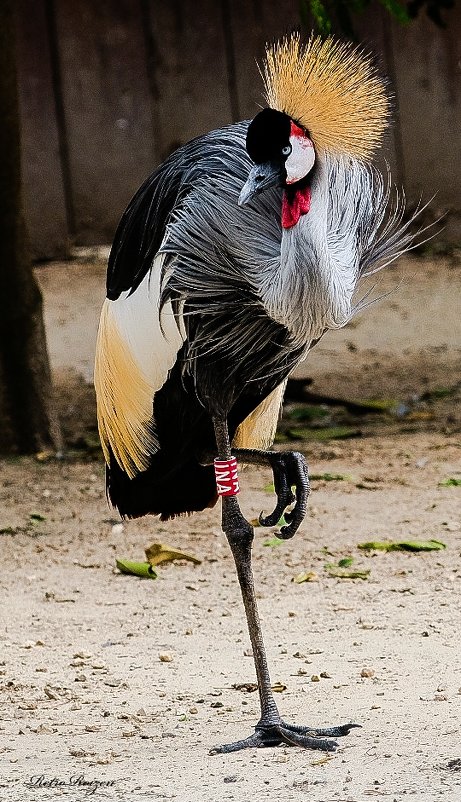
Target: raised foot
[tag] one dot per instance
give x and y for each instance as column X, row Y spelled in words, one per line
column 291, row 735
column 290, row 470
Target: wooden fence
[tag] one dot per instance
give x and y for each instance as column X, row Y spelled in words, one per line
column 108, row 89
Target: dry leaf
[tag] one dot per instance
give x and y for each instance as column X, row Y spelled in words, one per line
column 305, row 576
column 160, row 553
column 403, row 545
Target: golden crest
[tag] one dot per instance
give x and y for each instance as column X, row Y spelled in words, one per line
column 332, row 89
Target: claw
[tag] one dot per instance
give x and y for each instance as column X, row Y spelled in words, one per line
column 289, row 470
column 274, row 517
column 292, row 735
column 287, row 532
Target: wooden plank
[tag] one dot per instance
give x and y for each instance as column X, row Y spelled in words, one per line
column 373, row 31
column 44, row 199
column 191, row 70
column 427, row 62
column 107, row 110
column 253, row 25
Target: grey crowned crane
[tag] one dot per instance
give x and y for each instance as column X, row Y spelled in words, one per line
column 230, row 262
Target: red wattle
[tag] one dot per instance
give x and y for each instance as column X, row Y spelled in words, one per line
column 294, row 208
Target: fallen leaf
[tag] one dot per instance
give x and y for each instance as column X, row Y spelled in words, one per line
column 345, row 562
column 250, row 687
column 307, row 412
column 144, row 570
column 305, row 576
column 329, row 433
column 160, row 553
column 346, row 573
column 320, row 761
column 246, row 687
column 450, row 482
column 273, row 542
column 9, row 530
column 331, row 477
column 403, row 545
column 36, row 517
column 44, row 456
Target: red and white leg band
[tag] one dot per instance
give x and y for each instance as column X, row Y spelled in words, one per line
column 227, row 480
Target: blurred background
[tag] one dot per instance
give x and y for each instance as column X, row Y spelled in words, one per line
column 109, row 89
column 106, row 91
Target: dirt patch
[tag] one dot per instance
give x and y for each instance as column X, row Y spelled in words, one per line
column 87, row 705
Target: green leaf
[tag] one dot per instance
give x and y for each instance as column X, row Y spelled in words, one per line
column 143, row 570
column 345, row 573
column 345, row 562
column 329, row 433
column 307, row 412
column 403, row 545
column 269, row 488
column 321, row 16
column 439, row 392
column 450, row 482
column 396, row 10
column 273, row 542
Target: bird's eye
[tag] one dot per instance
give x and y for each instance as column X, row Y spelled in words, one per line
column 286, row 150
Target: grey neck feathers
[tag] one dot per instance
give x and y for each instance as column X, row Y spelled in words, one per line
column 313, row 288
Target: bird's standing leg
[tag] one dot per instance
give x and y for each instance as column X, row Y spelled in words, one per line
column 270, row 730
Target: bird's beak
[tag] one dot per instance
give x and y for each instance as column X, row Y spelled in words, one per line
column 262, row 176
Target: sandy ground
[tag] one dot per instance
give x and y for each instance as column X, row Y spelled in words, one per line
column 88, row 708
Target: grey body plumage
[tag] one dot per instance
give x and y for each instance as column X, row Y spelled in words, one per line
column 224, row 261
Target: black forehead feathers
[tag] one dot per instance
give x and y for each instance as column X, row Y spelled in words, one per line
column 267, row 134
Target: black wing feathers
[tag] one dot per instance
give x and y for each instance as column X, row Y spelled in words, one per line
column 142, row 228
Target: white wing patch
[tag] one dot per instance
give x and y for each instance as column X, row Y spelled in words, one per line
column 135, row 350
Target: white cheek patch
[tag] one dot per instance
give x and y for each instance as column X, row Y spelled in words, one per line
column 301, row 159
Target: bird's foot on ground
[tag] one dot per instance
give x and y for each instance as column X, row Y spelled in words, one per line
column 291, row 735
column 290, row 471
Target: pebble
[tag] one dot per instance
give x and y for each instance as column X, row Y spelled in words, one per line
column 117, row 529
column 367, row 672
column 315, row 678
column 165, row 657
